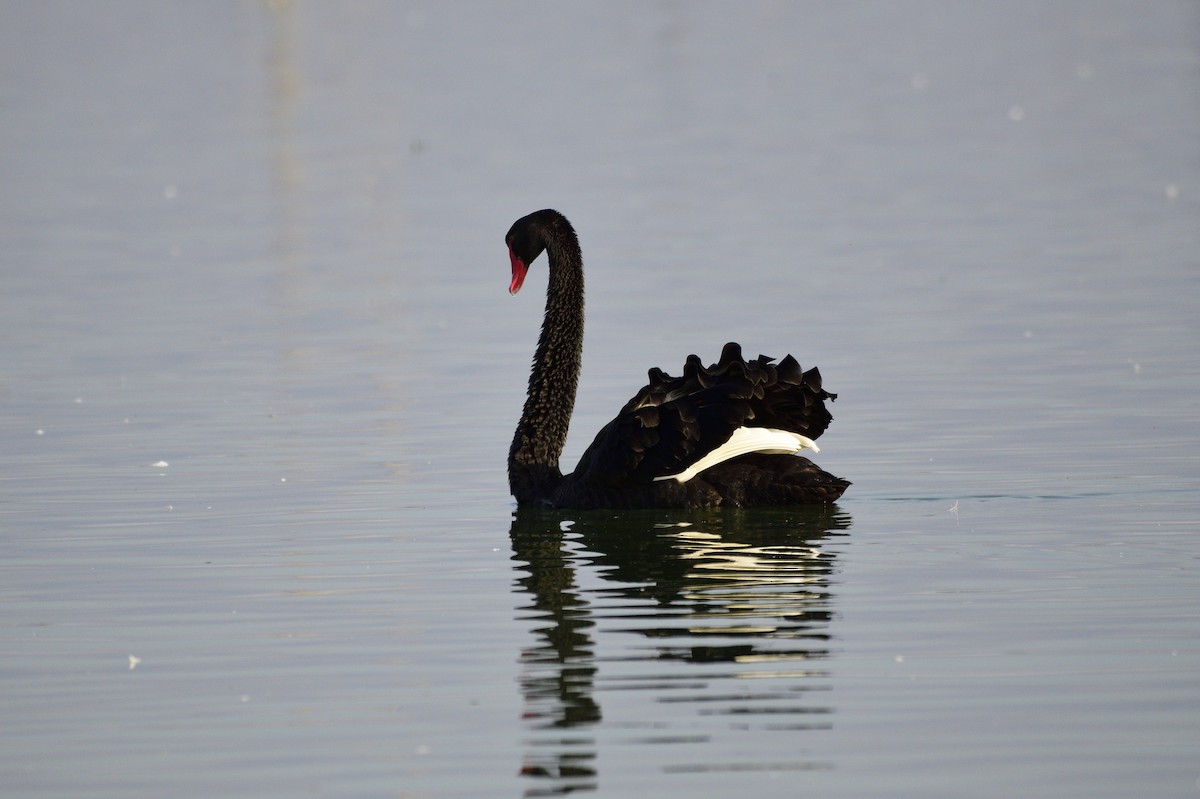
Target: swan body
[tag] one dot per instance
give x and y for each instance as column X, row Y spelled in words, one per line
column 722, row 435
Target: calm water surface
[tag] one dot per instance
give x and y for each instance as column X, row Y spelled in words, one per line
column 261, row 372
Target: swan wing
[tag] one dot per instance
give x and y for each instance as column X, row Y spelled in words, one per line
column 676, row 427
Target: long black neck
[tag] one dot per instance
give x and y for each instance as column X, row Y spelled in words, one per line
column 533, row 471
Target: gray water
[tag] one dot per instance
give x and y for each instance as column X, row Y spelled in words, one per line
column 260, row 372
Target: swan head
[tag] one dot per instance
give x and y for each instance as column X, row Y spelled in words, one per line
column 529, row 237
column 526, row 241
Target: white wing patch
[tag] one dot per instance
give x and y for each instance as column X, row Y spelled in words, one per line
column 744, row 441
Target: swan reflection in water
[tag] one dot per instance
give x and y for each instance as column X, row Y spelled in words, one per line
column 695, row 626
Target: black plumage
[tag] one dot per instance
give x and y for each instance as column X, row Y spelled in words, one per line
column 669, row 425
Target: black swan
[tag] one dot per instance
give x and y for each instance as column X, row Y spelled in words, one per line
column 725, row 435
